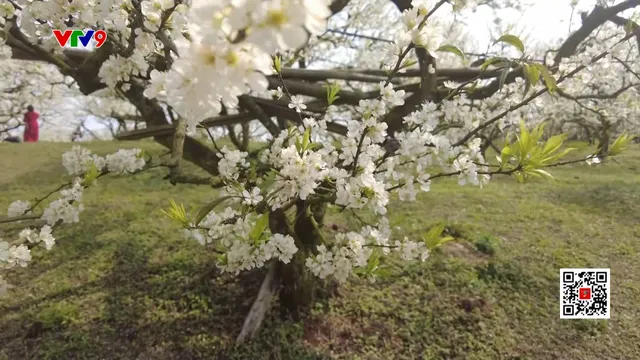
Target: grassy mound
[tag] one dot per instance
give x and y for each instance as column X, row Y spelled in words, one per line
column 125, row 284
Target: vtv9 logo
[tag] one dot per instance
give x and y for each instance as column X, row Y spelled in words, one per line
column 80, row 38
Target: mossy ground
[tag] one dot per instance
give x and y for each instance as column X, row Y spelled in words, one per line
column 125, row 284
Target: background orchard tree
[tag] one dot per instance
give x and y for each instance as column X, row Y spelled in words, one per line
column 24, row 83
column 399, row 123
column 108, row 109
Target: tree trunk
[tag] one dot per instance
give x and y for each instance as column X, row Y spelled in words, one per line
column 604, row 139
column 261, row 305
column 300, row 287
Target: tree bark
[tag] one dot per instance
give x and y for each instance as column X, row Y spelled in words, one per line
column 300, row 288
column 604, row 138
column 261, row 304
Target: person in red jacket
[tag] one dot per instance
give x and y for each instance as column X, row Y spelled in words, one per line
column 31, row 125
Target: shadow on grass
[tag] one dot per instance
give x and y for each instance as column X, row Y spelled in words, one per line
column 612, row 199
column 177, row 310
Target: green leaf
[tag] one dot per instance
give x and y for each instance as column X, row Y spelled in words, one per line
column 629, row 26
column 505, row 155
column 306, row 138
column 332, row 92
column 177, row 213
column 260, row 227
column 532, row 75
column 519, row 176
column 454, row 50
column 524, row 140
column 438, row 242
column 490, row 62
column 208, row 207
column 434, row 232
column 382, row 271
column 511, row 40
column 298, row 144
column 542, row 173
column 433, row 239
column 503, row 78
column 222, row 259
column 472, row 88
column 373, row 262
column 565, row 152
column 407, row 63
column 620, row 144
column 91, row 175
column 553, row 144
column 277, row 64
column 268, row 180
column 367, row 192
column 549, row 80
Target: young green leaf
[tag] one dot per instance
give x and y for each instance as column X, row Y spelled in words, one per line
column 540, row 172
column 553, row 144
column 382, row 271
column 511, row 40
column 620, row 144
column 549, row 80
column 434, row 232
column 453, row 50
column 532, row 75
column 277, row 64
column 503, row 78
column 298, row 144
column 373, row 262
column 91, row 175
column 260, row 227
column 490, row 62
column 629, row 26
column 505, row 155
column 433, row 239
column 332, row 92
column 208, row 207
column 306, row 138
column 177, row 213
column 407, row 63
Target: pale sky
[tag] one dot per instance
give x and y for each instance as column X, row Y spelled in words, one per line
column 543, row 20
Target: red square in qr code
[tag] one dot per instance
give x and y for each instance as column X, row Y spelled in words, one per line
column 585, row 294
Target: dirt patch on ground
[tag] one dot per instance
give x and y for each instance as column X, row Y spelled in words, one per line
column 338, row 334
column 464, row 251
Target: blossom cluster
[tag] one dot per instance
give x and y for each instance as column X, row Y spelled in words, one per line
column 229, row 231
column 79, row 162
column 20, row 254
column 359, row 174
column 223, row 47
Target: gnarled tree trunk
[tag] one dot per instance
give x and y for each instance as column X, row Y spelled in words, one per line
column 300, row 288
column 603, row 138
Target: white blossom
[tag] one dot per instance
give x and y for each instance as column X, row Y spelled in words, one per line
column 125, row 161
column 18, row 208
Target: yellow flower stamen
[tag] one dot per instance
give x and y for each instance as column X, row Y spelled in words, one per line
column 276, row 18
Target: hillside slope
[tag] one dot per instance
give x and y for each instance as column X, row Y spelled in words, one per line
column 125, row 284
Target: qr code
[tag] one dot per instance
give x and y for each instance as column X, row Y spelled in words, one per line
column 585, row 293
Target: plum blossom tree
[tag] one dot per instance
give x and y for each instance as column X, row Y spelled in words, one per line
column 399, row 123
column 107, row 108
column 41, row 85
